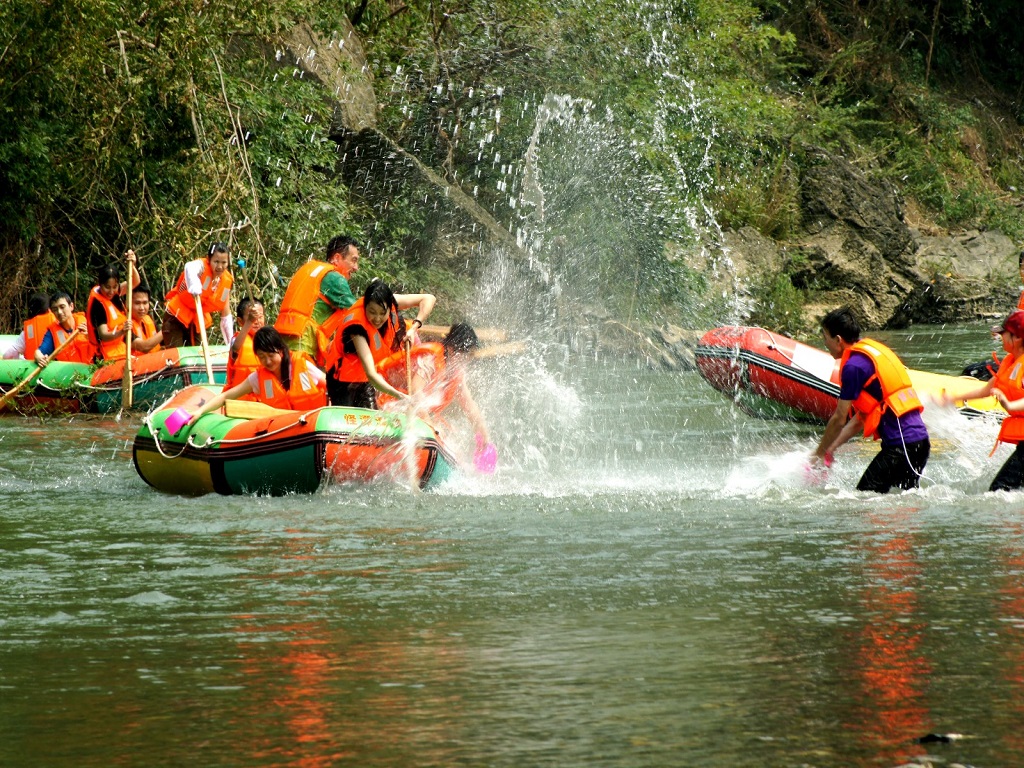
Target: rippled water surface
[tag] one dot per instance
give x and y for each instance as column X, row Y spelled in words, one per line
column 647, row 581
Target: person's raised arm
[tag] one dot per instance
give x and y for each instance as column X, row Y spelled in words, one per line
column 424, row 301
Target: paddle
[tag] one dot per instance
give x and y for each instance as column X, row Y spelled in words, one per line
column 126, row 382
column 408, row 364
column 201, row 320
column 498, row 350
column 484, row 334
column 9, row 395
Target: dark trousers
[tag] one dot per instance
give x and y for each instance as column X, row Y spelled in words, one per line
column 176, row 334
column 1011, row 476
column 351, row 394
column 896, row 465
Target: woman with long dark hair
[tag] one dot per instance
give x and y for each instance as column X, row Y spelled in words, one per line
column 370, row 330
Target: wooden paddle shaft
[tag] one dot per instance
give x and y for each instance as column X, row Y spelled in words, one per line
column 492, row 335
column 126, row 382
column 201, row 320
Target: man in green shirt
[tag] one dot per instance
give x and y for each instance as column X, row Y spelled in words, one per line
column 316, row 291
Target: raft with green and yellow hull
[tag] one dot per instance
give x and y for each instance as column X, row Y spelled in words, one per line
column 80, row 387
column 248, row 448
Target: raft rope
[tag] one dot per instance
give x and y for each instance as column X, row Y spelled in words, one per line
column 301, row 421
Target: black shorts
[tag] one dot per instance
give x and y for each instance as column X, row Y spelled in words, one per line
column 896, row 465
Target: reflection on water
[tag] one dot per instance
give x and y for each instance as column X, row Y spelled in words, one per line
column 889, row 665
column 648, row 579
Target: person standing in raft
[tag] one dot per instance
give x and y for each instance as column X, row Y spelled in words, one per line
column 242, row 359
column 875, row 394
column 284, row 379
column 314, row 295
column 145, row 336
column 439, row 375
column 1007, row 386
column 39, row 319
column 369, row 331
column 105, row 312
column 81, row 350
column 209, row 279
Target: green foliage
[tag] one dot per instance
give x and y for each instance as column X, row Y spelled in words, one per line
column 606, row 134
column 778, row 305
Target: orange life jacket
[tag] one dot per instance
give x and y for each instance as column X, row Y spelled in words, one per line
column 81, row 350
column 109, row 350
column 244, row 363
column 1020, row 301
column 143, row 329
column 348, row 366
column 439, row 391
column 181, row 305
column 1009, row 380
column 302, row 292
column 35, row 329
column 898, row 393
column 305, row 393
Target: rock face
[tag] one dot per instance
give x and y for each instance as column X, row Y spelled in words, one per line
column 856, row 249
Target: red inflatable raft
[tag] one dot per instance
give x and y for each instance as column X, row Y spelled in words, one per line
column 772, row 376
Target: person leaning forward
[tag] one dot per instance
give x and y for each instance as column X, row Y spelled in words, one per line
column 875, row 394
column 1007, row 387
column 314, row 294
column 209, row 279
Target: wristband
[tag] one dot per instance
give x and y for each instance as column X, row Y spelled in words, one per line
column 417, row 320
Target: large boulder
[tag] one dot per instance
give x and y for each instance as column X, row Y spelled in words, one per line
column 855, row 247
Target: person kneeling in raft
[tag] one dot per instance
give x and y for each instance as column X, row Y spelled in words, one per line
column 1007, row 387
column 875, row 387
column 285, row 379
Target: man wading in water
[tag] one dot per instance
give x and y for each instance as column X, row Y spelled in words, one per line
column 874, row 385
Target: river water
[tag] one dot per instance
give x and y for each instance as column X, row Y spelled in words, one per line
column 647, row 580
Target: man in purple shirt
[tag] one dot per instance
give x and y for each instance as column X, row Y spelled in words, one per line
column 866, row 367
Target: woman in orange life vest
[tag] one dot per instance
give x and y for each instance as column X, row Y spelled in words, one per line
column 875, row 388
column 81, row 350
column 439, row 375
column 285, row 379
column 370, row 330
column 242, row 358
column 32, row 330
column 1007, row 386
column 105, row 311
column 145, row 336
column 210, row 280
